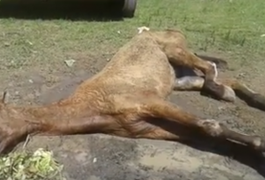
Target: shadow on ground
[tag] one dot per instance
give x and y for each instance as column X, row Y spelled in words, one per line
column 75, row 10
column 98, row 157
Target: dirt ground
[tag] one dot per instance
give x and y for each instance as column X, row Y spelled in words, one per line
column 103, row 157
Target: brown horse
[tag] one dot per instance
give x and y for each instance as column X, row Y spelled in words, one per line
column 128, row 98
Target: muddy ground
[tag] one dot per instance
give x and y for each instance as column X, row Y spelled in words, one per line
column 103, row 157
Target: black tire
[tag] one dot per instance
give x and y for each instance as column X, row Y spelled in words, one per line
column 129, row 7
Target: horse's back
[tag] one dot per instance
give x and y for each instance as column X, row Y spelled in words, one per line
column 140, row 65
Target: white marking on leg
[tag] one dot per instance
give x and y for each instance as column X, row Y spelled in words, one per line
column 250, row 90
column 215, row 70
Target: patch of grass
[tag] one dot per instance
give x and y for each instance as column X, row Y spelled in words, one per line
column 227, row 25
column 27, row 166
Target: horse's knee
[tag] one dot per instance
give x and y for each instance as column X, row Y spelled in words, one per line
column 219, row 91
column 211, row 127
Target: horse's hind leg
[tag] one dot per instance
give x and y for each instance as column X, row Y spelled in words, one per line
column 220, row 63
column 182, row 57
column 233, row 88
column 154, row 109
column 196, row 83
column 251, row 97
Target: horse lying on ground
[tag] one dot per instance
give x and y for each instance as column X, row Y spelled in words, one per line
column 128, row 98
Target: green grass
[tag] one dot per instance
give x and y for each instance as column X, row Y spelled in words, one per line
column 209, row 24
column 234, row 28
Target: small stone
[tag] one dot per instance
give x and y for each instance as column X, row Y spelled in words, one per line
column 29, row 42
column 69, row 62
column 6, row 44
column 81, row 157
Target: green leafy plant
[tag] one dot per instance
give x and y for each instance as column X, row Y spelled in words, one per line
column 30, row 166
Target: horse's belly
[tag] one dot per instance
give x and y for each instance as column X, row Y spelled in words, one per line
column 159, row 80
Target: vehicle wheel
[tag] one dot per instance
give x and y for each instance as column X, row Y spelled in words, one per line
column 129, row 8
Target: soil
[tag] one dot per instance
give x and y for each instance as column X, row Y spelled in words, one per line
column 104, row 157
